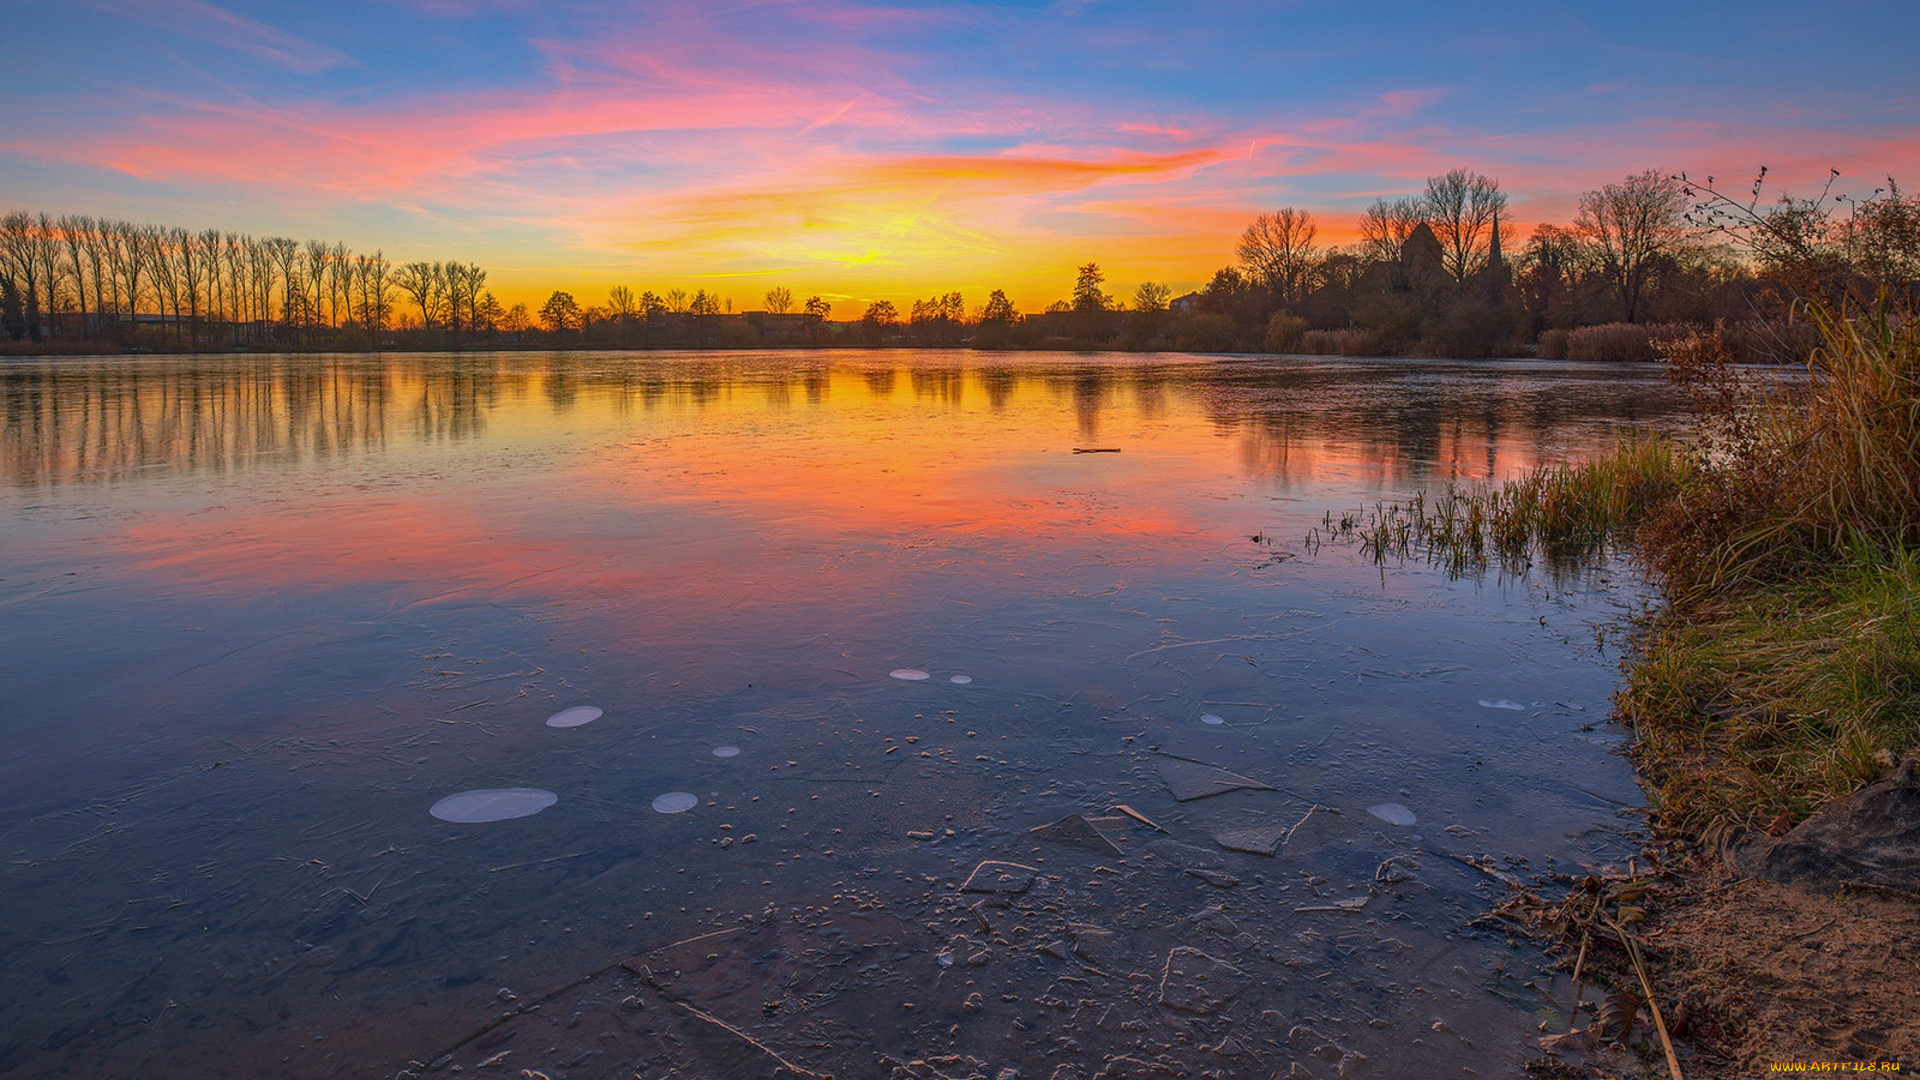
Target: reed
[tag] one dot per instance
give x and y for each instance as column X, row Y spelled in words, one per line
column 1567, row 515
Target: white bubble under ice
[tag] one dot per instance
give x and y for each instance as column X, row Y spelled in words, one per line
column 483, row 805
column 575, row 716
column 676, row 802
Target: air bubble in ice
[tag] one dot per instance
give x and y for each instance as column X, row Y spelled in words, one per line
column 676, row 802
column 575, row 716
column 726, row 751
column 910, row 674
column 1393, row 814
column 1209, row 718
column 1501, row 703
column 961, row 680
column 493, row 804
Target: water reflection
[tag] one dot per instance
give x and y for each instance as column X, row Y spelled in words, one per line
column 80, row 421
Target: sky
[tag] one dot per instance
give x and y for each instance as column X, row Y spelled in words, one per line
column 859, row 150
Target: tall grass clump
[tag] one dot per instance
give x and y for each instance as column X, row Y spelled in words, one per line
column 1569, row 515
column 1798, row 476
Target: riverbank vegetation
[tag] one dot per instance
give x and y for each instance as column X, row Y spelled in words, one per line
column 1784, row 535
column 1441, row 272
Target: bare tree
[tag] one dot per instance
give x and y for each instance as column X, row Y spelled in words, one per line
column 16, row 252
column 421, row 283
column 779, row 300
column 1385, row 227
column 1278, row 251
column 1629, row 226
column 127, row 260
column 233, row 250
column 676, row 300
column 157, row 242
column 283, row 255
column 1461, row 208
column 74, row 233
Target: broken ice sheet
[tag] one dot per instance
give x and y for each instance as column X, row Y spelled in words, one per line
column 1254, row 837
column 1190, row 780
column 483, row 805
column 676, row 802
column 575, row 716
column 1191, row 981
column 1501, row 703
column 1075, row 830
column 1393, row 814
column 910, row 674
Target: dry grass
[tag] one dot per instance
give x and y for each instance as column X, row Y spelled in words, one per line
column 1621, row 341
column 1802, row 477
column 1342, row 343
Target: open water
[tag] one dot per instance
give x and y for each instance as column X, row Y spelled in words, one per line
column 756, row 659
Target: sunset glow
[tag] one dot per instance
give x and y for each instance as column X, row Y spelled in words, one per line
column 861, row 151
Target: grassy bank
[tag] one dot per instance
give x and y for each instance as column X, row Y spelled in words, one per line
column 1752, row 710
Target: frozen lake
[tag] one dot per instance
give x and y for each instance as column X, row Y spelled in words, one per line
column 630, row 714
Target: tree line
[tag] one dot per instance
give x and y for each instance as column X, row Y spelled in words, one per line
column 80, row 279
column 1431, row 273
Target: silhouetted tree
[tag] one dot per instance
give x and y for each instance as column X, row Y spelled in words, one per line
column 1151, row 296
column 816, row 311
column 1087, row 296
column 561, row 313
column 1630, row 227
column 12, row 319
column 1460, row 206
column 999, row 310
column 779, row 300
column 1277, row 251
column 1385, row 226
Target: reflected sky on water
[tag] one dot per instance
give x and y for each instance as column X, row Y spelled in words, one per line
column 262, row 613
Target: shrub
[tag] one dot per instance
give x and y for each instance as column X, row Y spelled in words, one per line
column 1622, row 341
column 1552, row 344
column 1207, row 332
column 1341, row 343
column 1284, row 332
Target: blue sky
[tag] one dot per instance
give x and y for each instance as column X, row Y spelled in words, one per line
column 862, row 150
